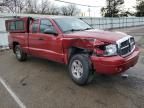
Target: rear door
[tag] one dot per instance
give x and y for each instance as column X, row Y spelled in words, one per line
column 48, row 46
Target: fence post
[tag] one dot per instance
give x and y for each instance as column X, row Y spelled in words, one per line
column 126, row 22
column 111, row 22
column 91, row 22
column 99, row 23
column 133, row 22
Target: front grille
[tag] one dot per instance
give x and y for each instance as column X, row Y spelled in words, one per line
column 126, row 46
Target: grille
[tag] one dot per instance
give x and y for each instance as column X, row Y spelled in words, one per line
column 126, row 46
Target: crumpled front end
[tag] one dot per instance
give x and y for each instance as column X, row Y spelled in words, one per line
column 119, row 61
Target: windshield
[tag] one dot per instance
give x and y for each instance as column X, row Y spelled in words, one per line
column 71, row 24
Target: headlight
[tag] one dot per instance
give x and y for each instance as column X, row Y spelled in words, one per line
column 110, row 50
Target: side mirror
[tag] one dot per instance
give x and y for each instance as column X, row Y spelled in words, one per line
column 50, row 31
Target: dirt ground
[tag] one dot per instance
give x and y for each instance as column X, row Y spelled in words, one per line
column 40, row 83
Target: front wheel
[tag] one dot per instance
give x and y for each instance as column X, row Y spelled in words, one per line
column 80, row 69
column 20, row 55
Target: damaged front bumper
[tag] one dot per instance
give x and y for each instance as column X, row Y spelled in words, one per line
column 115, row 64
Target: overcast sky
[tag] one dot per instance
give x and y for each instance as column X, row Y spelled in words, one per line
column 94, row 11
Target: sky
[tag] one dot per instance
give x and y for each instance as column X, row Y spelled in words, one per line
column 94, row 11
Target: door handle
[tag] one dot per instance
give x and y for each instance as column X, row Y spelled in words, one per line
column 40, row 38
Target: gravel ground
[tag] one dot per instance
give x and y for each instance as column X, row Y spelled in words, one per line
column 41, row 83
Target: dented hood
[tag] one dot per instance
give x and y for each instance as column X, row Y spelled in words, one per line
column 101, row 35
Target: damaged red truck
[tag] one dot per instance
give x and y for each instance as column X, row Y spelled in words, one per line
column 73, row 42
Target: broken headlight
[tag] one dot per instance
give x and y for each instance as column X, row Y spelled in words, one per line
column 110, row 50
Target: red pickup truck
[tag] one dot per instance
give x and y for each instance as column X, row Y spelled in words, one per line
column 73, row 42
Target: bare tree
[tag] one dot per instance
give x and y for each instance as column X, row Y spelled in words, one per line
column 31, row 6
column 70, row 10
column 47, row 7
column 53, row 10
column 14, row 6
column 64, row 11
column 3, row 4
column 20, row 5
column 44, row 7
column 35, row 7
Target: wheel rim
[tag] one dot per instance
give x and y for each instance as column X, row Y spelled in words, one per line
column 18, row 53
column 77, row 69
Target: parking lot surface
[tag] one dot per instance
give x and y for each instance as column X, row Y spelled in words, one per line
column 6, row 101
column 40, row 83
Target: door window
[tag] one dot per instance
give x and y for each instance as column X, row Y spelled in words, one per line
column 45, row 24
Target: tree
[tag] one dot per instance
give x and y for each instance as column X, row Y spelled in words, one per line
column 140, row 8
column 113, row 8
column 3, row 4
column 14, row 6
column 70, row 10
column 53, row 10
column 126, row 13
column 45, row 7
column 35, row 7
column 31, row 7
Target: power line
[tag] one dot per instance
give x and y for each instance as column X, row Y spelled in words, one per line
column 77, row 3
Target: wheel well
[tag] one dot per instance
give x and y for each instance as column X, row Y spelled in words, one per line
column 75, row 50
column 14, row 44
column 86, row 52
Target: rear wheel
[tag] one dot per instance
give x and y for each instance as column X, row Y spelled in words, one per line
column 20, row 55
column 80, row 69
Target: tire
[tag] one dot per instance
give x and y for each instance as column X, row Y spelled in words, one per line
column 20, row 55
column 80, row 69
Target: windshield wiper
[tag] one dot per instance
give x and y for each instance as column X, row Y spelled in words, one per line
column 72, row 30
column 87, row 28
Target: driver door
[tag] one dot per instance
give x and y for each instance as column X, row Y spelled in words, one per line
column 46, row 45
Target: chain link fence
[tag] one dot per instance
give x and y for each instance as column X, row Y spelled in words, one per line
column 112, row 23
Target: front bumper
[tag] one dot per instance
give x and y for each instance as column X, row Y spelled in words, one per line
column 115, row 64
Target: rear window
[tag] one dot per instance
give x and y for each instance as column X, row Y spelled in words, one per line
column 19, row 25
column 11, row 26
column 15, row 25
